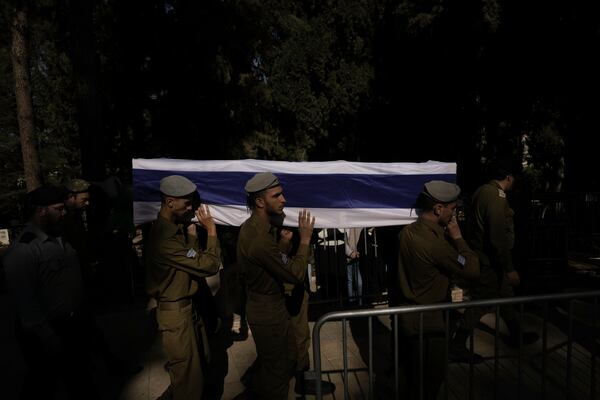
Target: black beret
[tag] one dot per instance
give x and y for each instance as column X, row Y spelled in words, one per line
column 46, row 195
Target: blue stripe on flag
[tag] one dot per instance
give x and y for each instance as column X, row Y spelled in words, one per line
column 300, row 190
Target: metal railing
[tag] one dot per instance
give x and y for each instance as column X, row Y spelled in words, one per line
column 495, row 304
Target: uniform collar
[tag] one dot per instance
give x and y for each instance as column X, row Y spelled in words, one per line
column 498, row 186
column 436, row 228
column 39, row 234
column 260, row 223
column 495, row 183
column 169, row 227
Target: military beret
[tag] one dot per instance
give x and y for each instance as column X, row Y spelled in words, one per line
column 46, row 195
column 444, row 192
column 77, row 186
column 261, row 181
column 177, row 186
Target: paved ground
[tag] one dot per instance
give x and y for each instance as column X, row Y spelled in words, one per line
column 130, row 330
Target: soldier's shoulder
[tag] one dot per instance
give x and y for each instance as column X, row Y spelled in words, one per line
column 489, row 192
column 24, row 246
column 27, row 237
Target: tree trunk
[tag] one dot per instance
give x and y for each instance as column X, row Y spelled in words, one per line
column 20, row 61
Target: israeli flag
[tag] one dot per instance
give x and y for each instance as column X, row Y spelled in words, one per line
column 338, row 193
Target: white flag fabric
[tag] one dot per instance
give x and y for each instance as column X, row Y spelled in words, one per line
column 338, row 193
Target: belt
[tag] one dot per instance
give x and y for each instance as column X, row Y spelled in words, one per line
column 174, row 305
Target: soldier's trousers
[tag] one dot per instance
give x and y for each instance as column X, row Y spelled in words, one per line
column 176, row 325
column 301, row 332
column 425, row 360
column 270, row 324
column 491, row 285
column 70, row 364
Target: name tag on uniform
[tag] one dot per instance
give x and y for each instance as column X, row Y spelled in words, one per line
column 501, row 193
column 191, row 253
column 461, row 260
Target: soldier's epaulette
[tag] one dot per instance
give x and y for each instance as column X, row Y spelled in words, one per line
column 27, row 237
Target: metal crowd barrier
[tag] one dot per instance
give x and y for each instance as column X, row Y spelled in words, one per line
column 544, row 300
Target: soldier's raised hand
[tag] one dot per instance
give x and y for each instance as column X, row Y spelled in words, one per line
column 306, row 224
column 453, row 229
column 206, row 220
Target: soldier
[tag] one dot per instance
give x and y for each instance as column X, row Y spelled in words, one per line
column 76, row 229
column 432, row 250
column 265, row 269
column 44, row 278
column 492, row 236
column 78, row 196
column 172, row 258
column 76, row 232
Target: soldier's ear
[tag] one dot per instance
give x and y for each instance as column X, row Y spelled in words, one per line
column 260, row 202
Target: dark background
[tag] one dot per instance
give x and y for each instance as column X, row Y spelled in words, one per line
column 458, row 81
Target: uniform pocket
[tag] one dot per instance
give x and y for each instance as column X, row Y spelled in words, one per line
column 177, row 331
column 266, row 313
column 171, row 320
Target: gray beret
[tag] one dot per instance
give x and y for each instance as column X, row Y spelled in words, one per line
column 261, row 181
column 77, row 186
column 444, row 192
column 177, row 186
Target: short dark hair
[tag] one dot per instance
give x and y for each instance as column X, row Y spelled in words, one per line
column 251, row 199
column 195, row 197
column 505, row 166
column 425, row 202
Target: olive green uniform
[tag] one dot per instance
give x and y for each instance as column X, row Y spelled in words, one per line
column 171, row 261
column 76, row 233
column 266, row 268
column 297, row 306
column 426, row 262
column 492, row 238
column 301, row 330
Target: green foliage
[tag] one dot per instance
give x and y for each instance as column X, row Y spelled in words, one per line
column 55, row 129
column 546, row 150
column 53, row 103
column 303, row 80
column 319, row 71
